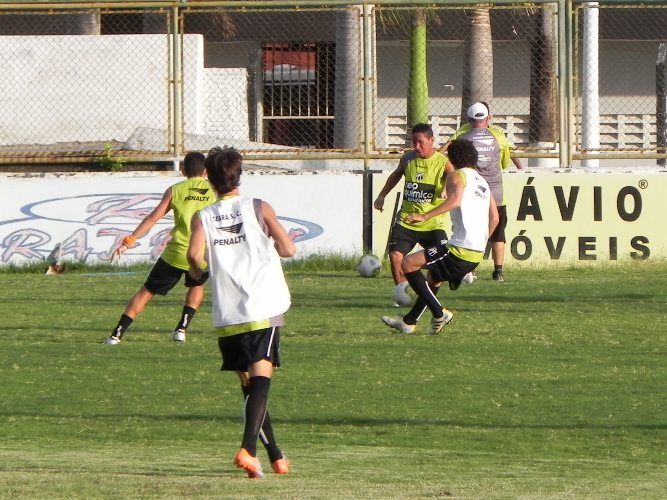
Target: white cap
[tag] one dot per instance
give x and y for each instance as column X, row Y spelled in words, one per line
column 478, row 111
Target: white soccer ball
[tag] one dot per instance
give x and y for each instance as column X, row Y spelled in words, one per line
column 404, row 295
column 369, row 266
column 469, row 278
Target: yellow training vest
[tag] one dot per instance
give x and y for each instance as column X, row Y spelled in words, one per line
column 422, row 192
column 187, row 198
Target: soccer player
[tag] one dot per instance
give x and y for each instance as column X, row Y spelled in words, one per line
column 474, row 216
column 424, row 172
column 494, row 151
column 243, row 241
column 184, row 199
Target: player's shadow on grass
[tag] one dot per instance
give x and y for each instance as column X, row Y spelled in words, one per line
column 339, row 422
column 546, row 298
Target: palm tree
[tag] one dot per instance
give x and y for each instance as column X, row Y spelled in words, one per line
column 542, row 125
column 477, row 82
column 347, row 98
column 417, row 106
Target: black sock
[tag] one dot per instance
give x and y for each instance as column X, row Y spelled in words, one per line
column 123, row 324
column 498, row 267
column 420, row 286
column 186, row 317
column 255, row 408
column 266, row 432
column 418, row 308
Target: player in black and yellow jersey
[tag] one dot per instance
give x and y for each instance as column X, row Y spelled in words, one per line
column 184, row 199
column 424, row 170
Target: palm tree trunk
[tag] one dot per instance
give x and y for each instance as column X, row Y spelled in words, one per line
column 347, row 98
column 417, row 105
column 542, row 127
column 477, row 82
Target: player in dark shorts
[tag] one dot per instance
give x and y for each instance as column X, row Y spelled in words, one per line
column 183, row 200
column 244, row 241
column 474, row 215
column 423, row 170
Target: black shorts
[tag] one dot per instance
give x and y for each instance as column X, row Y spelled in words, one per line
column 403, row 240
column 242, row 350
column 499, row 232
column 445, row 266
column 163, row 277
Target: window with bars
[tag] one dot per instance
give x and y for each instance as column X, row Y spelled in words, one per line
column 298, row 95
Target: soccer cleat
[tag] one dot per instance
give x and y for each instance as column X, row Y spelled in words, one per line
column 498, row 275
column 112, row 340
column 250, row 464
column 398, row 324
column 280, row 466
column 437, row 324
column 178, row 335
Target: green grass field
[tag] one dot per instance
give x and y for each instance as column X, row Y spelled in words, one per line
column 550, row 385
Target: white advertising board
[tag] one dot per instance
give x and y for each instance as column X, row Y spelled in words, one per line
column 571, row 217
column 89, row 214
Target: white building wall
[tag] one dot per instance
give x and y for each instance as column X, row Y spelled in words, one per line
column 226, row 102
column 102, row 88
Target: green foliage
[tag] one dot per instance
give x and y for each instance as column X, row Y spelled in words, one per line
column 550, row 385
column 110, row 161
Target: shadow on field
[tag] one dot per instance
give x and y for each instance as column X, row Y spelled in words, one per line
column 339, row 422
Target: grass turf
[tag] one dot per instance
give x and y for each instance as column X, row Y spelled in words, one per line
column 550, row 385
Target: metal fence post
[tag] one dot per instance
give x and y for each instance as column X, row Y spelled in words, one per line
column 563, row 79
column 567, row 45
column 367, row 125
column 661, row 104
column 177, row 82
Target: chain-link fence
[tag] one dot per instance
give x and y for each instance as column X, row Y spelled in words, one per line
column 617, row 76
column 147, row 81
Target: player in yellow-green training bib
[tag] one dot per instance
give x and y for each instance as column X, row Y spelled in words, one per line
column 424, row 170
column 183, row 199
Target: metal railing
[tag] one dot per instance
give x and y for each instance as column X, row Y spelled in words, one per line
column 571, row 82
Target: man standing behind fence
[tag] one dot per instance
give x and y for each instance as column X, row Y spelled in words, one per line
column 493, row 149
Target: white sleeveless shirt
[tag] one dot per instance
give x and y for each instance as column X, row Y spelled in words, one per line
column 247, row 279
column 470, row 221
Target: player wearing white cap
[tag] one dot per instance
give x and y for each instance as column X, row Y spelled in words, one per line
column 494, row 150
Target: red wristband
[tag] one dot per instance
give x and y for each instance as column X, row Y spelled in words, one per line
column 129, row 240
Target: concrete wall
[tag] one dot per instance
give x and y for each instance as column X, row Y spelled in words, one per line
column 102, row 88
column 554, row 218
column 226, row 103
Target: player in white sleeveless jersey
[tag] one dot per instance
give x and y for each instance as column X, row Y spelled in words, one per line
column 474, row 216
column 243, row 242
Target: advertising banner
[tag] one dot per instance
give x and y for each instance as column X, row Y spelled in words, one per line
column 570, row 217
column 90, row 214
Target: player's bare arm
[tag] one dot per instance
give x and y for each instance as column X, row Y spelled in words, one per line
column 449, row 170
column 494, row 218
column 196, row 248
column 283, row 243
column 393, row 179
column 443, row 148
column 145, row 225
